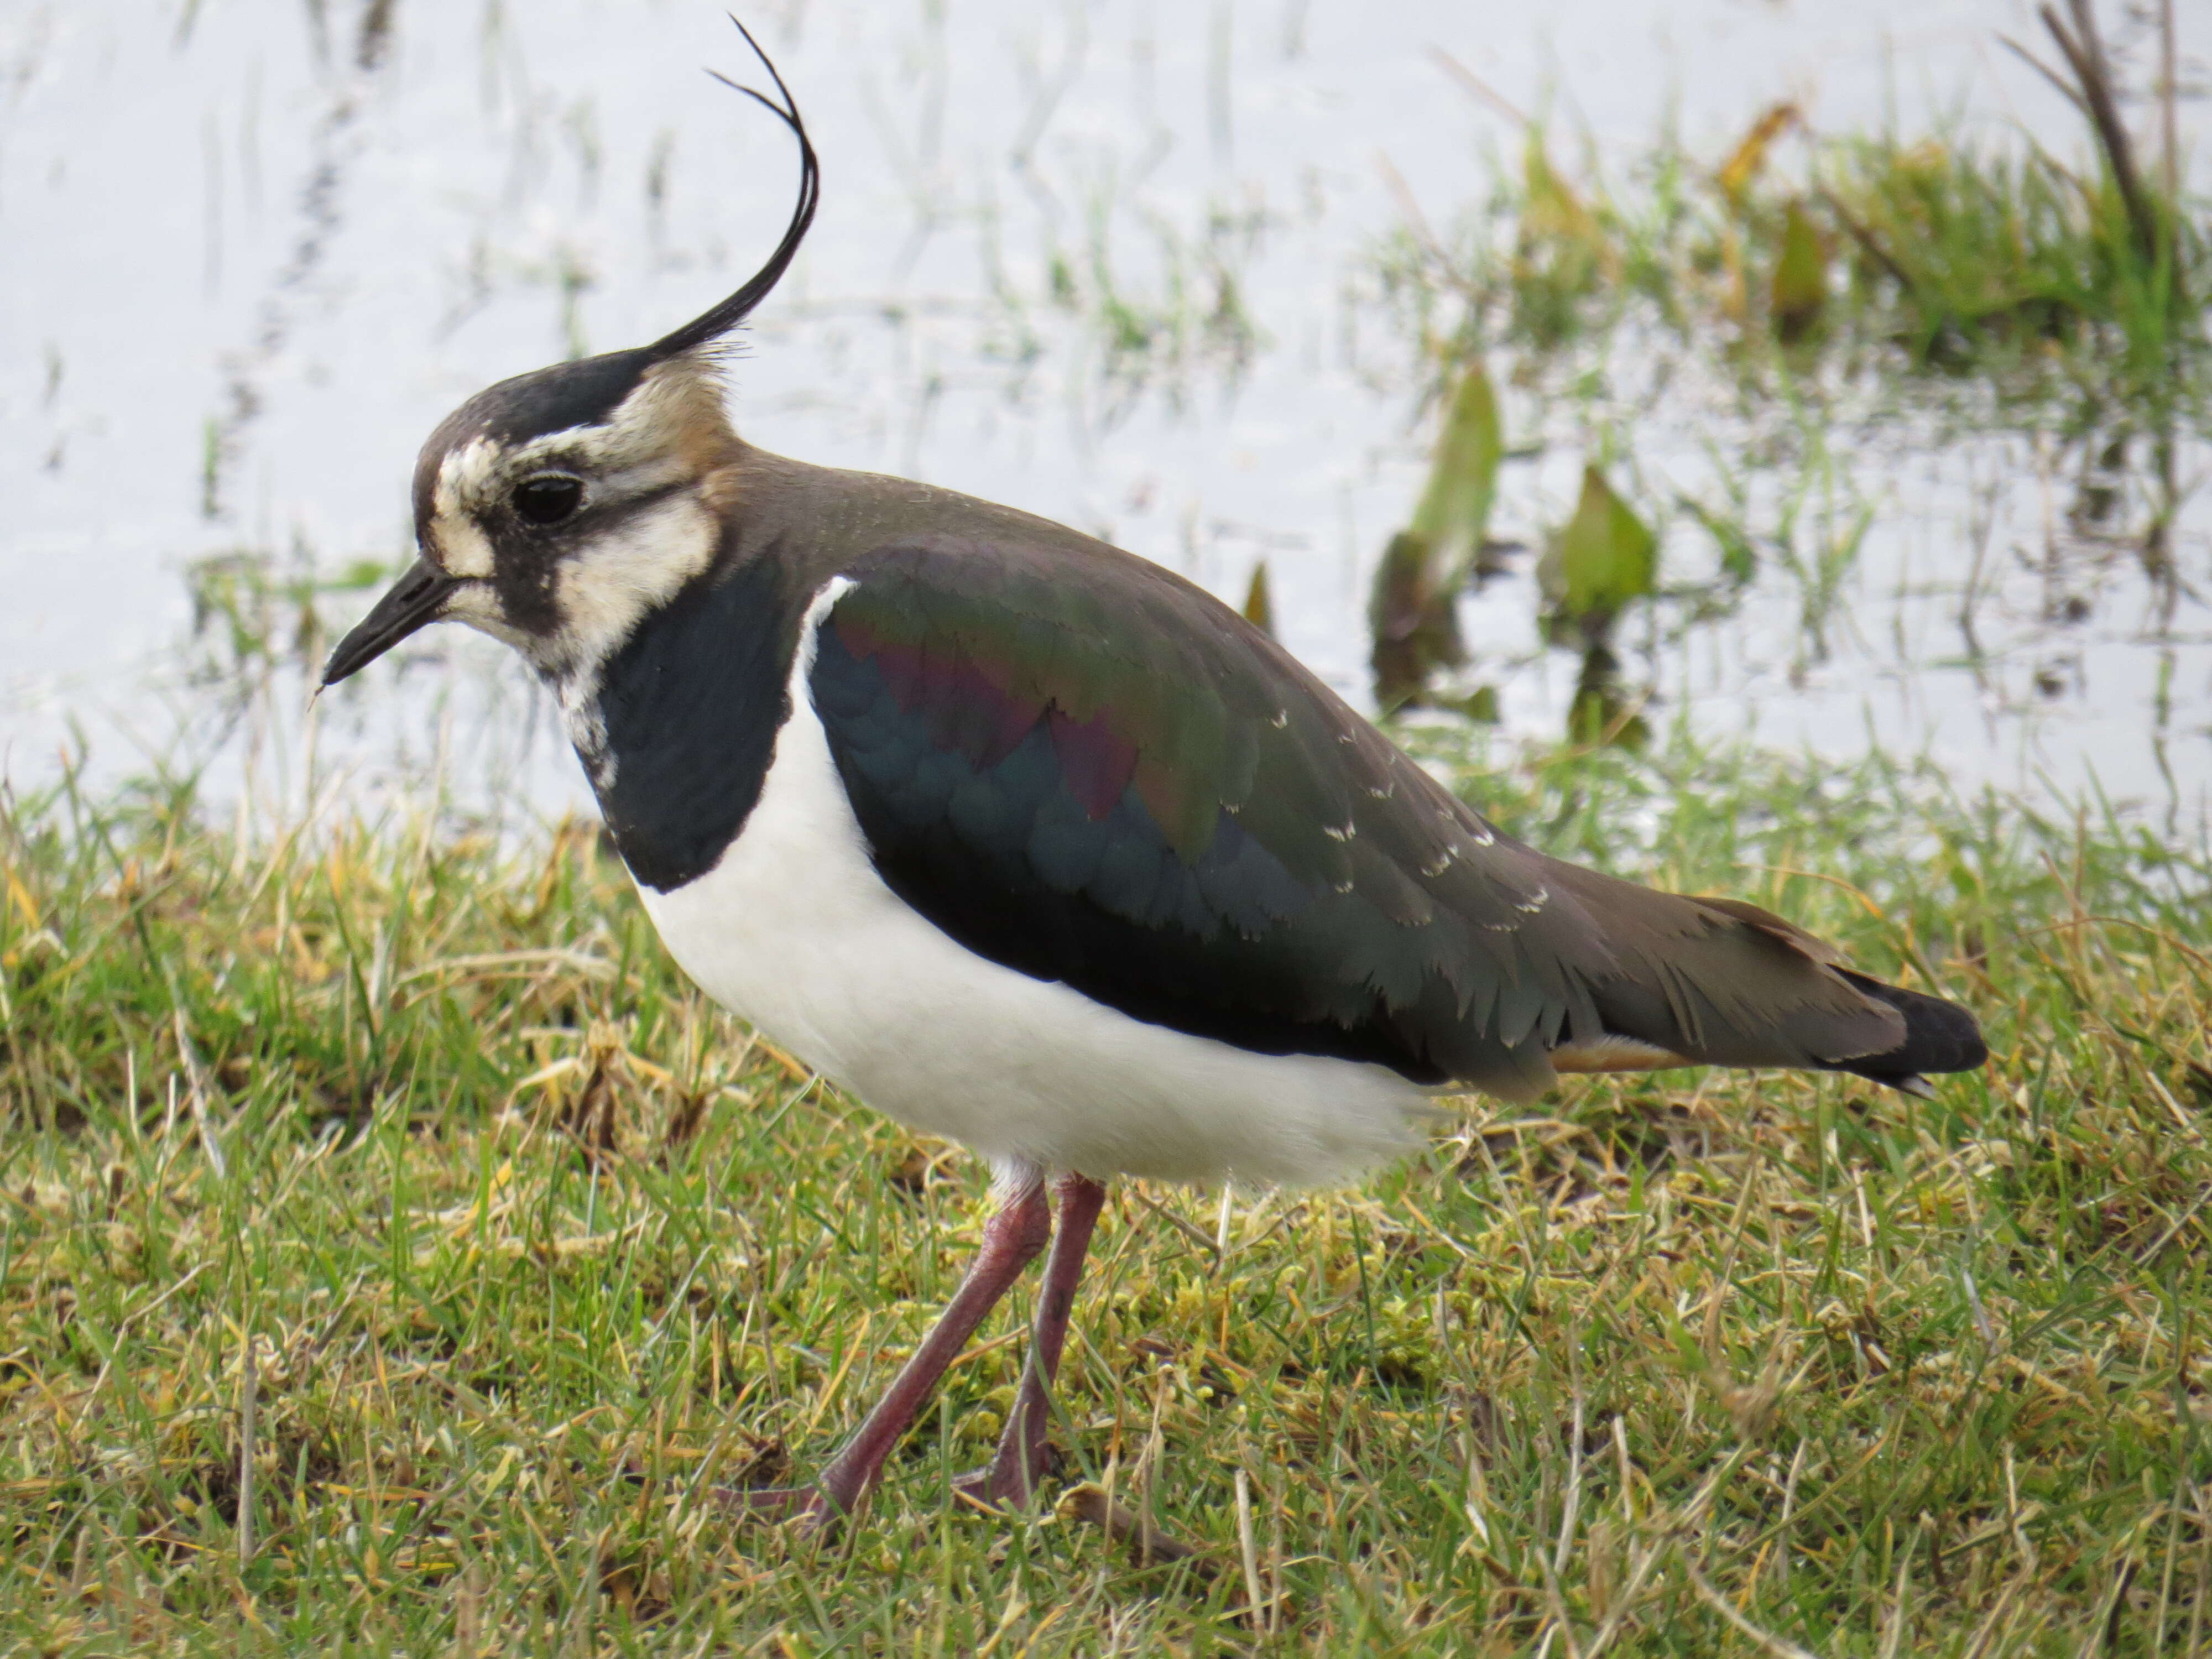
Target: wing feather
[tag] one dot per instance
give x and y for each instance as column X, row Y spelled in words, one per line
column 1093, row 772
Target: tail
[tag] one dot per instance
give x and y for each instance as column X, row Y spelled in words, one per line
column 1939, row 1036
column 1715, row 981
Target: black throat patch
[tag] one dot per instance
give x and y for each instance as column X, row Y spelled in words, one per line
column 691, row 705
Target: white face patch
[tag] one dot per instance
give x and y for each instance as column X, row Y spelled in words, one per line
column 478, row 607
column 606, row 587
column 458, row 546
column 463, row 549
column 647, row 528
column 587, row 727
column 462, row 477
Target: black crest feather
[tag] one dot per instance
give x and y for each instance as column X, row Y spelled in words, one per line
column 720, row 319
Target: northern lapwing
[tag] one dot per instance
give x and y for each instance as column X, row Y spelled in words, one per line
column 1036, row 845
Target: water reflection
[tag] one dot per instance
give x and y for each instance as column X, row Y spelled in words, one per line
column 1098, row 260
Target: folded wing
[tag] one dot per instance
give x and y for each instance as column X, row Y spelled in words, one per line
column 1121, row 785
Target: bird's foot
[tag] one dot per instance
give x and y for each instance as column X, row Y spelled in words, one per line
column 1007, row 1483
column 1133, row 1530
column 814, row 1508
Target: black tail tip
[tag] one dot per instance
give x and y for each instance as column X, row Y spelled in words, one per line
column 1939, row 1036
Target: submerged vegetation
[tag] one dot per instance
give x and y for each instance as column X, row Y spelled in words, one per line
column 396, row 1252
column 1956, row 252
column 1974, row 281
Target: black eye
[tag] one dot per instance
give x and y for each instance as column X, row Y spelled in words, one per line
column 548, row 498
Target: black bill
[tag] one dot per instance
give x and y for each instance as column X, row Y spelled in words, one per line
column 416, row 601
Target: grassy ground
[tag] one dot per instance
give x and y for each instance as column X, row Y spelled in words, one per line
column 409, row 1169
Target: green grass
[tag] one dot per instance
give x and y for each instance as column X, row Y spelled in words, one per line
column 1783, row 321
column 1989, row 261
column 530, row 1246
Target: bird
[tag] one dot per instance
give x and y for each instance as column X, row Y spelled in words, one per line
column 1032, row 844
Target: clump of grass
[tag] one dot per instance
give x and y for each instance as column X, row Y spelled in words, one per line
column 1965, row 255
column 1934, row 252
column 411, row 1151
column 255, row 612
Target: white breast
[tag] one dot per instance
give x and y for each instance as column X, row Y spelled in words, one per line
column 794, row 931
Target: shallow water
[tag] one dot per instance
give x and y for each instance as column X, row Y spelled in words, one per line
column 251, row 251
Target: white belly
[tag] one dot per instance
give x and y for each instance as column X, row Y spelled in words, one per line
column 794, row 931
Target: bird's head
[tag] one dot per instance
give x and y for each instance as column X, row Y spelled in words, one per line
column 555, row 509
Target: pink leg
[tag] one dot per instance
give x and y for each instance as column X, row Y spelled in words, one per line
column 1019, row 1463
column 1011, row 1239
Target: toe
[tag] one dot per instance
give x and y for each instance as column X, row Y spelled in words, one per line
column 767, row 1503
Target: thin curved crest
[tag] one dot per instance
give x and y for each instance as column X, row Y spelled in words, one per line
column 718, row 320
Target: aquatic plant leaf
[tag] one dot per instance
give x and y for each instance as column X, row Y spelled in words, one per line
column 1800, row 290
column 1410, row 620
column 1454, row 508
column 1479, row 705
column 1552, row 211
column 1749, row 156
column 1604, row 558
column 1259, row 602
column 1561, row 255
column 1412, row 624
column 1602, row 712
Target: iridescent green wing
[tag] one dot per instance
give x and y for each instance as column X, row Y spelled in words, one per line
column 1104, row 777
